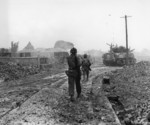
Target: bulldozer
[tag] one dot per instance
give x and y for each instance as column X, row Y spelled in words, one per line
column 118, row 56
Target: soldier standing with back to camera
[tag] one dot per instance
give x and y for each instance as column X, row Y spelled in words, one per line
column 74, row 73
column 86, row 67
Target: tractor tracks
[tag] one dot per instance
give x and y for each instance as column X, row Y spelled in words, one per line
column 60, row 81
column 57, row 81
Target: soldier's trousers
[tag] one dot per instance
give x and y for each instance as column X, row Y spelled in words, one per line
column 72, row 82
column 85, row 74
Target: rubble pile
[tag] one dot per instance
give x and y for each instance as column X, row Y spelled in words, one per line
column 132, row 85
column 130, row 73
column 13, row 71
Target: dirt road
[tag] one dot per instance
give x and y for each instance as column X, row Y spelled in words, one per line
column 43, row 100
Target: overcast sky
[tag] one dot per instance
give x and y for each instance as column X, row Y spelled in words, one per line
column 89, row 24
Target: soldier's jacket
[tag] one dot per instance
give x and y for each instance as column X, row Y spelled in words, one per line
column 74, row 62
column 86, row 64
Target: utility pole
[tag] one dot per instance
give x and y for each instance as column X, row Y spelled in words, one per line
column 126, row 30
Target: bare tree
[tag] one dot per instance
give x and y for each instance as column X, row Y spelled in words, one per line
column 14, row 48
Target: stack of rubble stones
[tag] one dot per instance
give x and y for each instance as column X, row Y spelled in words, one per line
column 132, row 85
column 132, row 72
column 13, row 71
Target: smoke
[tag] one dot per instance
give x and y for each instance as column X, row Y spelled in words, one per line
column 63, row 45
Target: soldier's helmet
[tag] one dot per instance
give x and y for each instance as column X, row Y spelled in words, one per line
column 73, row 51
column 85, row 55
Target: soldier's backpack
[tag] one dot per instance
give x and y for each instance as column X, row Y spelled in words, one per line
column 86, row 62
column 72, row 62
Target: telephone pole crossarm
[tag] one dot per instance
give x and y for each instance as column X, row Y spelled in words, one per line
column 126, row 16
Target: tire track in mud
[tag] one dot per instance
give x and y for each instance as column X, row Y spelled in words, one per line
column 89, row 104
column 55, row 84
column 62, row 78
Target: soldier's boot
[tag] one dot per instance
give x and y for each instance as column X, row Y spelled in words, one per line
column 72, row 98
column 78, row 95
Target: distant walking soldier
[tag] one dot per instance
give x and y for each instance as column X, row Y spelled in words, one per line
column 74, row 74
column 86, row 67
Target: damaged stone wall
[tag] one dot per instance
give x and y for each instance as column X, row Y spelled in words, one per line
column 13, row 71
column 60, row 57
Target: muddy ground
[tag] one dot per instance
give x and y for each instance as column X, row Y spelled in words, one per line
column 42, row 99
